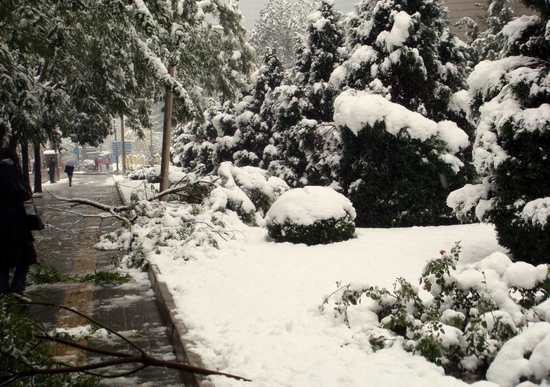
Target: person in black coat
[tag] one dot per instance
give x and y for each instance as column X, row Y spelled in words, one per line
column 16, row 239
column 51, row 170
column 69, row 170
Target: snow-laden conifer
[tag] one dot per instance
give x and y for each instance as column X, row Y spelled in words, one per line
column 510, row 102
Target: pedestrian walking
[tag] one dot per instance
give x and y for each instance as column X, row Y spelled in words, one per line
column 107, row 162
column 51, row 170
column 69, row 169
column 99, row 162
column 16, row 240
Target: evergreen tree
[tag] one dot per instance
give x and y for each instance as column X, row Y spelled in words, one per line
column 510, row 103
column 305, row 148
column 279, row 27
column 489, row 43
column 405, row 50
column 232, row 132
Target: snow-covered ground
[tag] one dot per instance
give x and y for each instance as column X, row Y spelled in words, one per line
column 252, row 307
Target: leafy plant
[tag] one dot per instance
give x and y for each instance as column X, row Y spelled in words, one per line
column 457, row 323
column 40, row 274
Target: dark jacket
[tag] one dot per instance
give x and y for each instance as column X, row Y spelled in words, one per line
column 16, row 240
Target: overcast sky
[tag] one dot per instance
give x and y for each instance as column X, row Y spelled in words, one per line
column 251, row 9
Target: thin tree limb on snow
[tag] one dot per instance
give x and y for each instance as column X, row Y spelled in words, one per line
column 117, row 357
column 114, row 211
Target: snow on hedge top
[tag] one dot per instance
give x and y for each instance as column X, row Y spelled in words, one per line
column 355, row 109
column 305, row 206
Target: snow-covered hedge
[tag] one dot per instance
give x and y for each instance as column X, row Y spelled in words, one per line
column 311, row 215
column 465, row 317
column 397, row 166
column 250, row 191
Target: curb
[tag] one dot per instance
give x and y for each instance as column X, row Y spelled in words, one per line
column 174, row 328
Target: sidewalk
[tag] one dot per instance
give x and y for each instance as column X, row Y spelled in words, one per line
column 129, row 308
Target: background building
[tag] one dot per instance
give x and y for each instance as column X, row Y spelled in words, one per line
column 472, row 9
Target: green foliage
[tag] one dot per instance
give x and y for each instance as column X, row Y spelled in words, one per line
column 422, row 72
column 512, row 150
column 458, row 327
column 398, row 182
column 40, row 274
column 320, row 232
column 20, row 351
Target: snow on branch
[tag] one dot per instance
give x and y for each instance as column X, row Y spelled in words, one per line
column 160, row 72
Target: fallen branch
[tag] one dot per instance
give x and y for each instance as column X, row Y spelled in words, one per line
column 114, row 211
column 117, row 358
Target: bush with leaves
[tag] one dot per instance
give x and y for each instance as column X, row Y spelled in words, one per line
column 21, row 352
column 459, row 317
column 311, row 215
column 194, row 214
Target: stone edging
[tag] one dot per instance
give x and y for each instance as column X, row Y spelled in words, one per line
column 174, row 328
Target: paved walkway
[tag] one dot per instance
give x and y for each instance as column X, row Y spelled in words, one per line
column 129, row 308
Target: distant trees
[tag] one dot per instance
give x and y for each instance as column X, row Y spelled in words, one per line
column 280, row 27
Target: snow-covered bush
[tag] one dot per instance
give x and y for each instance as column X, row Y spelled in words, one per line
column 461, row 315
column 197, row 218
column 510, row 99
column 249, row 191
column 311, row 215
column 397, row 166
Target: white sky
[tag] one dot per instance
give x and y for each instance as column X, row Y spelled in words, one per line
column 251, row 9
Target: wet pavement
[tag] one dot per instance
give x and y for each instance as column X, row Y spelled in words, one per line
column 130, row 308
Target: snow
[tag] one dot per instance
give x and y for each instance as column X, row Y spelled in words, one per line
column 471, row 196
column 305, row 206
column 356, row 109
column 398, row 34
column 537, row 212
column 511, row 363
column 253, row 307
column 515, row 28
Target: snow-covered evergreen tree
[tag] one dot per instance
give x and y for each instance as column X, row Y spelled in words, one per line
column 279, row 27
column 307, row 146
column 236, row 132
column 404, row 50
column 510, row 99
column 487, row 44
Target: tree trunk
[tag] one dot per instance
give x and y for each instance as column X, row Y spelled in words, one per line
column 166, row 135
column 3, row 131
column 25, row 160
column 37, row 168
column 122, row 145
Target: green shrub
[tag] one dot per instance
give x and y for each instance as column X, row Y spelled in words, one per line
column 471, row 311
column 311, row 215
column 320, row 232
column 394, row 180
